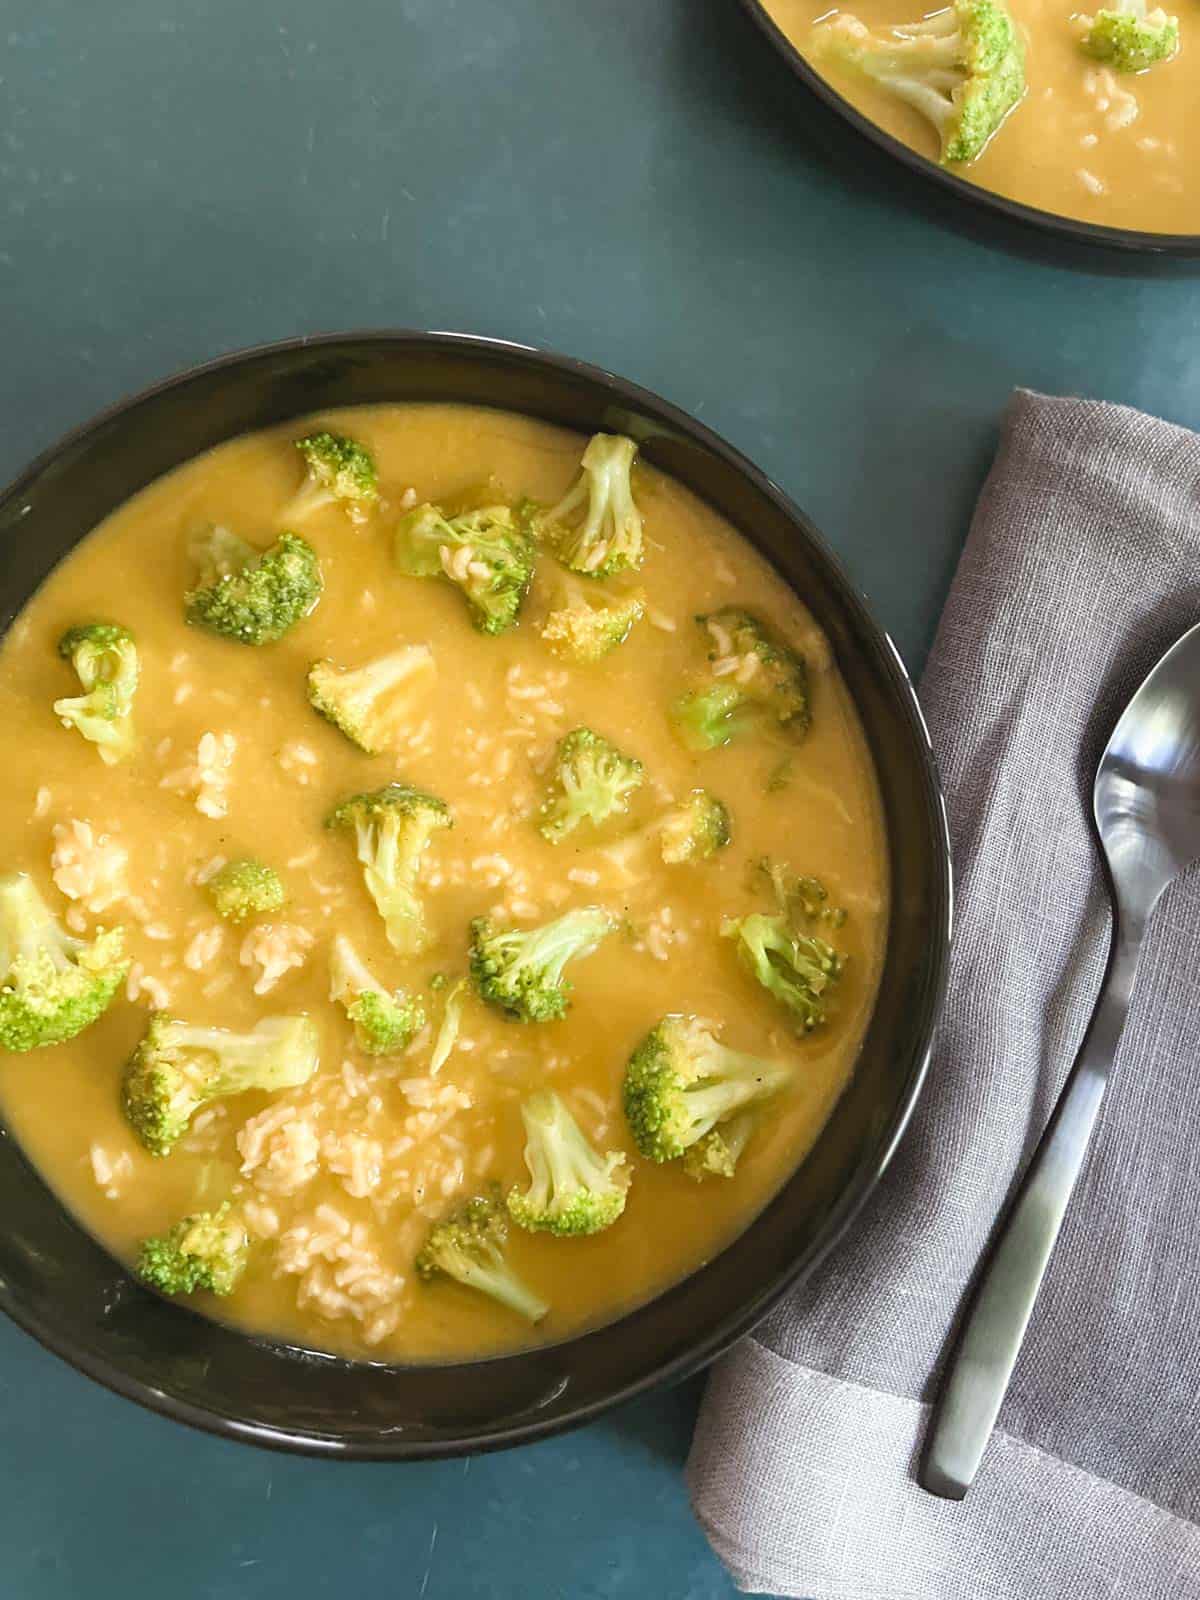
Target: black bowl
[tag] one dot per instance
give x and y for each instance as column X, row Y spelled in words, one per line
column 958, row 191
column 57, row 1282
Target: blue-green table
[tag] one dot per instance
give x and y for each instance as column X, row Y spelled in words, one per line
column 633, row 181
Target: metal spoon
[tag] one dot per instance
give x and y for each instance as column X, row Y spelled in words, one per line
column 1147, row 809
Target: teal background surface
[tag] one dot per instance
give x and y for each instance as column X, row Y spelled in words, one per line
column 636, row 182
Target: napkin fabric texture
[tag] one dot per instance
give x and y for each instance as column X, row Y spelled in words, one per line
column 1082, row 566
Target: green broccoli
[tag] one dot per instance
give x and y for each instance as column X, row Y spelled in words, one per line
column 707, row 718
column 243, row 889
column 797, row 968
column 383, row 1023
column 802, row 900
column 447, row 1034
column 755, row 678
column 179, row 1067
column 105, row 659
column 692, row 830
column 1128, row 37
column 484, row 553
column 585, row 631
column 521, row 972
column 372, row 705
column 337, row 471
column 681, row 1082
column 962, row 69
column 469, row 1247
column 392, row 827
column 720, row 1150
column 596, row 528
column 591, row 781
column 785, row 952
column 51, row 985
column 205, row 1251
column 250, row 595
column 573, row 1190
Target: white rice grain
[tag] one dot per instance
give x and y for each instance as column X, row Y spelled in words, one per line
column 275, row 948
column 207, row 778
column 141, row 984
column 204, row 948
column 88, row 866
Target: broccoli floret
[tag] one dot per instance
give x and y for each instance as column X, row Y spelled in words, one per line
column 521, row 971
column 447, row 1034
column 707, row 718
column 694, row 829
column 372, row 704
column 592, row 780
column 801, row 899
column 573, row 1190
column 596, row 528
column 754, row 678
column 797, row 968
column 484, row 553
column 179, row 1067
column 51, row 985
column 469, row 1247
column 250, row 595
column 784, row 952
column 963, row 69
column 718, row 1153
column 105, row 659
column 391, row 827
column 681, row 1082
column 243, row 889
column 585, row 631
column 337, row 471
column 1128, row 37
column 383, row 1023
column 205, row 1251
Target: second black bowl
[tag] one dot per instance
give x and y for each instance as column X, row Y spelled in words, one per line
column 958, row 193
column 57, row 1283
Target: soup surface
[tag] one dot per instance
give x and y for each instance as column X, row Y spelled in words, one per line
column 1120, row 149
column 339, row 1181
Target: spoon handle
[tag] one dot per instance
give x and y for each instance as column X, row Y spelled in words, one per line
column 990, row 1341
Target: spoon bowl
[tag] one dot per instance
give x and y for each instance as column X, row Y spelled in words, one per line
column 1147, row 794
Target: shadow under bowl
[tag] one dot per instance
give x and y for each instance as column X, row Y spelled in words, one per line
column 61, row 1286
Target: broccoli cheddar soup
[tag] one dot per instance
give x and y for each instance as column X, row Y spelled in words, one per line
column 444, row 883
column 1087, row 111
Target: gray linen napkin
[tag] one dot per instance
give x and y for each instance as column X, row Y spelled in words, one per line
column 1082, row 566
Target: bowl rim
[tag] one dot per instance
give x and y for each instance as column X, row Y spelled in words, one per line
column 742, row 1319
column 1130, row 241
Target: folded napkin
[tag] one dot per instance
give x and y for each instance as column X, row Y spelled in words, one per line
column 1082, row 566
